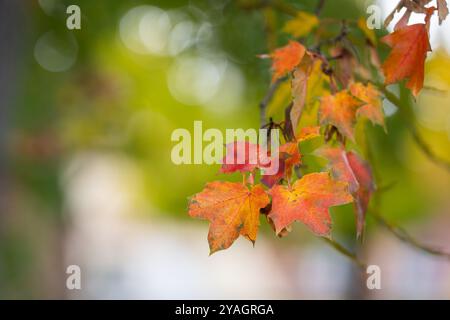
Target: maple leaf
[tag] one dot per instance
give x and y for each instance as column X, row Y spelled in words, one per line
column 241, row 156
column 350, row 168
column 363, row 174
column 372, row 109
column 301, row 25
column 285, row 59
column 281, row 98
column 339, row 110
column 300, row 89
column 442, row 10
column 232, row 210
column 289, row 156
column 410, row 45
column 345, row 65
column 308, row 200
column 307, row 133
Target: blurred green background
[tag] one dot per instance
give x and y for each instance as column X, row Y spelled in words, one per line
column 86, row 122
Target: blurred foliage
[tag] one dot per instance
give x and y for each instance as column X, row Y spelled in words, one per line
column 118, row 102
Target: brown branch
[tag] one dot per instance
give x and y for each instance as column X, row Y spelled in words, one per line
column 410, row 120
column 396, row 230
column 350, row 255
column 427, row 150
column 342, row 34
column 319, row 7
column 401, row 234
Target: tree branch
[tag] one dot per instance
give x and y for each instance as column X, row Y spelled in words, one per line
column 410, row 120
column 407, row 238
column 350, row 255
column 396, row 230
column 319, row 7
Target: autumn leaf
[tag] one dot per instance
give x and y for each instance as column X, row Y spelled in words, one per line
column 442, row 10
column 345, row 65
column 308, row 84
column 308, row 200
column 270, row 180
column 281, row 98
column 372, row 109
column 350, row 168
column 242, row 156
column 307, row 133
column 301, row 25
column 338, row 166
column 316, row 83
column 300, row 89
column 339, row 110
column 294, row 157
column 363, row 173
column 232, row 210
column 288, row 157
column 409, row 45
column 285, row 59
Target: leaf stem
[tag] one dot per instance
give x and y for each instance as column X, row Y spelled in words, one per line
column 350, row 255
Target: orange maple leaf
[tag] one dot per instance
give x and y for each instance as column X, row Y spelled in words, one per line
column 350, row 168
column 307, row 133
column 409, row 45
column 285, row 59
column 242, row 156
column 308, row 200
column 372, row 109
column 339, row 110
column 232, row 210
column 288, row 156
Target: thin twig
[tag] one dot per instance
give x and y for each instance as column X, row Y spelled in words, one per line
column 346, row 252
column 319, row 7
column 414, row 131
column 397, row 231
column 267, row 98
column 426, row 149
column 342, row 34
column 401, row 234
